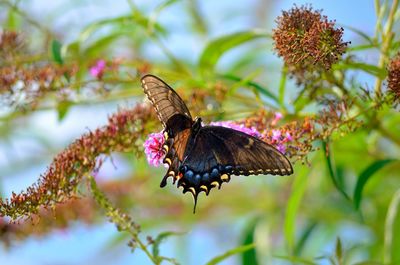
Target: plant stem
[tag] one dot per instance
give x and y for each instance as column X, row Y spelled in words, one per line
column 387, row 37
column 378, row 26
column 392, row 213
column 116, row 216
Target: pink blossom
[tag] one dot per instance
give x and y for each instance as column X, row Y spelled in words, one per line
column 276, row 135
column 153, row 147
column 97, row 70
column 281, row 148
column 238, row 127
column 277, row 117
column 288, row 136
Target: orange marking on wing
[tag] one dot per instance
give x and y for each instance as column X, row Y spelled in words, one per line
column 180, row 142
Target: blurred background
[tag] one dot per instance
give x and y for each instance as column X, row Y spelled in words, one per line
column 246, row 209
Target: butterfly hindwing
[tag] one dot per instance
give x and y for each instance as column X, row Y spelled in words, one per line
column 219, row 152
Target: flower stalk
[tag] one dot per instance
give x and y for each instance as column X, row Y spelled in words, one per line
column 387, row 37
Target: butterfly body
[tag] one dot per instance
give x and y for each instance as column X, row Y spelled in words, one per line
column 201, row 158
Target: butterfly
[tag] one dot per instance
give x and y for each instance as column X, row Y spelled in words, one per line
column 201, row 158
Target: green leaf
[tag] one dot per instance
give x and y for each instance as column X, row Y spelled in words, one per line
column 216, row 48
column 368, row 68
column 13, row 21
column 304, row 237
column 134, row 19
column 298, row 189
column 362, row 47
column 282, row 86
column 156, row 13
column 255, row 85
column 72, row 49
column 339, row 251
column 360, row 33
column 331, row 170
column 365, row 175
column 392, row 231
column 250, row 256
column 230, row 253
column 116, row 241
column 62, row 109
column 56, row 51
column 368, row 262
column 101, row 44
column 295, row 260
column 159, row 239
column 198, row 20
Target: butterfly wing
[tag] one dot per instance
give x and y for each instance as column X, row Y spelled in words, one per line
column 175, row 118
column 165, row 100
column 219, row 152
column 201, row 158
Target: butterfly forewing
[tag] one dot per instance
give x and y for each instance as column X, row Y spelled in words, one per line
column 165, row 100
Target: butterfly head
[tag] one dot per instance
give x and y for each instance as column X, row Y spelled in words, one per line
column 197, row 124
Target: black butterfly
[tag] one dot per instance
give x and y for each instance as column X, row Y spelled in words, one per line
column 203, row 157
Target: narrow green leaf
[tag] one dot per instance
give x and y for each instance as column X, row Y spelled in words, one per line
column 298, row 188
column 295, row 260
column 250, row 256
column 360, row 33
column 331, row 170
column 62, row 109
column 135, row 19
column 216, row 48
column 156, row 13
column 282, row 86
column 362, row 47
column 116, row 241
column 198, row 19
column 339, row 251
column 255, row 85
column 368, row 68
column 230, row 253
column 365, row 175
column 304, row 237
column 368, row 262
column 101, row 44
column 392, row 231
column 56, row 51
column 13, row 21
column 72, row 49
column 159, row 239
column 301, row 101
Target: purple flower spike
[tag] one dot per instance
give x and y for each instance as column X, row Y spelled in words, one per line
column 228, row 124
column 153, row 148
column 97, row 70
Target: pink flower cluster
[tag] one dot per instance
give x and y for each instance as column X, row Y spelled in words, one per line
column 238, row 127
column 97, row 70
column 153, row 147
column 278, row 116
column 279, row 139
